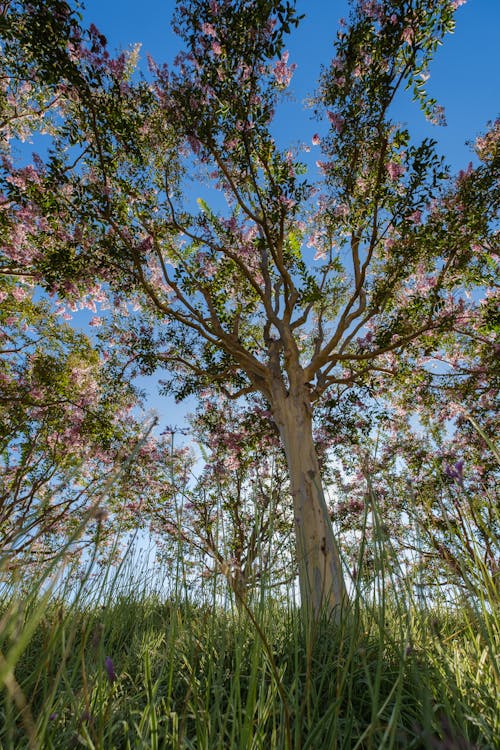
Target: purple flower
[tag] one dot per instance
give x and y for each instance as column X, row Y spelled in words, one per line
column 455, row 472
column 110, row 669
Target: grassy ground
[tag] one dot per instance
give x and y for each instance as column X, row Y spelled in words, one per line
column 122, row 668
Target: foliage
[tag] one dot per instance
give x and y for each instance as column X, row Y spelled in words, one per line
column 433, row 471
column 234, row 518
column 228, row 292
column 73, row 456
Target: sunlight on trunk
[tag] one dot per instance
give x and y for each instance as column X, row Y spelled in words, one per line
column 322, row 587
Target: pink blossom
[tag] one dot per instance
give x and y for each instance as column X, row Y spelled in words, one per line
column 245, row 71
column 244, row 127
column 19, row 293
column 408, row 35
column 269, row 27
column 291, row 166
column 209, row 30
column 206, row 264
column 371, row 8
column 287, row 202
column 216, row 48
column 393, row 19
column 424, row 283
column 135, row 506
column 486, row 144
column 365, row 341
column 283, row 72
column 315, row 239
column 416, row 217
column 231, row 224
column 395, row 170
column 316, row 140
column 117, row 66
column 338, row 63
column 341, row 210
column 456, row 472
column 337, row 121
column 362, row 184
column 17, row 180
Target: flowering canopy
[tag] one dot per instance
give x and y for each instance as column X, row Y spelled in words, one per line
column 279, row 285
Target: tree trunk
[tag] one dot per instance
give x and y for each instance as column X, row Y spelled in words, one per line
column 238, row 583
column 322, row 588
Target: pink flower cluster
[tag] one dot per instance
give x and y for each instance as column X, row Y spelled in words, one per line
column 372, row 9
column 488, row 144
column 408, row 35
column 336, row 121
column 283, row 72
column 395, row 170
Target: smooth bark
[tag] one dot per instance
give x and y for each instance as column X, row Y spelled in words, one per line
column 322, row 586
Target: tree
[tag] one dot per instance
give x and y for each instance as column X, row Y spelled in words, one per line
column 60, row 427
column 229, row 294
column 236, row 517
column 77, row 462
column 431, row 474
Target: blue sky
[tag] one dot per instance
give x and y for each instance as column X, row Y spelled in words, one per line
column 465, row 79
column 465, row 76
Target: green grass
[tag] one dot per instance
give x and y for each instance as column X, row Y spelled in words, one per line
column 105, row 661
column 203, row 676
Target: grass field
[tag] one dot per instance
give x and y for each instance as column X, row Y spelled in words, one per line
column 115, row 665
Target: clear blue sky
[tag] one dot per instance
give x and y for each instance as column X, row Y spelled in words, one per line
column 465, row 78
